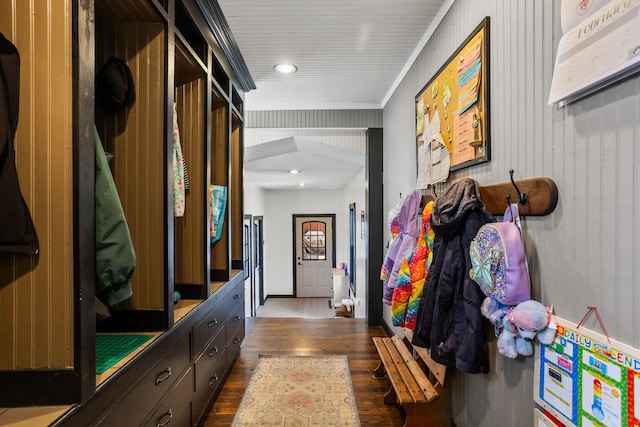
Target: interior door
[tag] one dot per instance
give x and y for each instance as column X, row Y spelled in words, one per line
column 247, row 227
column 258, row 251
column 314, row 255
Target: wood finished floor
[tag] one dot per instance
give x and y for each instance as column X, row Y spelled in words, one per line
column 334, row 336
column 301, row 308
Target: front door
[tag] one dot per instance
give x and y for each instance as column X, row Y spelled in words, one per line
column 314, row 255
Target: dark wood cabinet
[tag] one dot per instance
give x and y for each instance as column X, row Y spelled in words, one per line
column 175, row 409
column 188, row 292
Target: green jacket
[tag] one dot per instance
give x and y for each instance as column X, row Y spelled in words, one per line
column 115, row 255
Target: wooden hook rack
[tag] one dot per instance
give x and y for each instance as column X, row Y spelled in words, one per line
column 542, row 196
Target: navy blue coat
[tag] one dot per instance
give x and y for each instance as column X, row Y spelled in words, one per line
column 449, row 322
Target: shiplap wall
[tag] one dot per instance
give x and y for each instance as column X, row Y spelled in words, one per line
column 587, row 252
column 36, row 292
column 313, row 119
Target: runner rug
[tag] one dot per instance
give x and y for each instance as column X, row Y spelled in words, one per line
column 299, row 391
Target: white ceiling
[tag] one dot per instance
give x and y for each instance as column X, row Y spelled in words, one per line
column 350, row 54
column 326, row 158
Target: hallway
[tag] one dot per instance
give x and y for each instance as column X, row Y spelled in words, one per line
column 301, row 308
column 350, row 337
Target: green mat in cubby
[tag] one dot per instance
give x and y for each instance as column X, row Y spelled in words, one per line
column 112, row 348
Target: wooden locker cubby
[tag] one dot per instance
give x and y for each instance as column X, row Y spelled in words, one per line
column 235, row 189
column 190, row 271
column 136, row 32
column 178, row 51
column 220, row 256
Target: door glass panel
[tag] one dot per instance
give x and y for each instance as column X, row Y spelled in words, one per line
column 313, row 240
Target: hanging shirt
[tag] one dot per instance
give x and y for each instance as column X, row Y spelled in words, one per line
column 178, row 169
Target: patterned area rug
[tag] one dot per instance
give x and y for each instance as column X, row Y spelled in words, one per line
column 299, row 391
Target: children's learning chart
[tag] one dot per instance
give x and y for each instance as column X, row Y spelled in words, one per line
column 585, row 380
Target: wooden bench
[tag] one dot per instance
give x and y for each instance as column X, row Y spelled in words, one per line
column 424, row 401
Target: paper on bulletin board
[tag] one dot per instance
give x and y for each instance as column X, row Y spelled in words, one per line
column 584, row 380
column 424, row 164
column 420, row 117
column 599, row 51
column 469, row 66
column 440, row 161
column 467, row 136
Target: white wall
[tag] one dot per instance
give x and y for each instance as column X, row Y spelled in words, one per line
column 354, row 193
column 278, row 232
column 277, row 208
column 254, row 204
column 254, row 200
column 587, row 252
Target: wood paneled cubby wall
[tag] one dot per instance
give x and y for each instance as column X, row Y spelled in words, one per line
column 178, row 51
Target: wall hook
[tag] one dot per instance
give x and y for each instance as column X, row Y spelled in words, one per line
column 522, row 197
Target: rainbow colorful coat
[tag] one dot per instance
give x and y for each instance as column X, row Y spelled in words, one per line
column 402, row 245
column 412, row 275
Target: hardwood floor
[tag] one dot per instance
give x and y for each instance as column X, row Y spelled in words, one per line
column 335, row 336
column 302, row 308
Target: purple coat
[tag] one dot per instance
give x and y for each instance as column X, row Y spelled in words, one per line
column 403, row 244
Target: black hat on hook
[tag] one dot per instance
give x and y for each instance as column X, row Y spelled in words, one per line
column 114, row 86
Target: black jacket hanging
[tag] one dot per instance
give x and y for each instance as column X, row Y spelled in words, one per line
column 449, row 322
column 17, row 233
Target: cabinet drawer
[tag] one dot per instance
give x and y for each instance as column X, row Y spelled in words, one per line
column 175, row 409
column 137, row 404
column 233, row 347
column 207, row 328
column 209, row 372
column 236, row 295
column 215, row 347
column 236, row 318
column 213, row 321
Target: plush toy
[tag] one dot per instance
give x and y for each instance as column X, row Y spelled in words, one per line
column 495, row 312
column 522, row 324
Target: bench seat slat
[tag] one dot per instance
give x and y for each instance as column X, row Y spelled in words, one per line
column 439, row 371
column 423, row 382
column 402, row 392
column 415, row 392
column 424, row 403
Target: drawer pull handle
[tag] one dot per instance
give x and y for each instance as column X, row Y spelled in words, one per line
column 212, row 322
column 236, row 296
column 163, row 376
column 213, row 380
column 213, row 351
column 168, row 415
column 236, row 318
column 237, row 340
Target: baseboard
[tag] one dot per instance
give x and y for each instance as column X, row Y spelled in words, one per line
column 387, row 329
column 278, row 296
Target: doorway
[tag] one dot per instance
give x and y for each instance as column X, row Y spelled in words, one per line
column 257, row 287
column 314, row 255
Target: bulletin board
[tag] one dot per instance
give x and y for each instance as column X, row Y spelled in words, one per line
column 455, row 102
column 584, row 380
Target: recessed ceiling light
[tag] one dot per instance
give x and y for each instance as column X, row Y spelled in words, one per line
column 301, row 184
column 294, row 171
column 285, row 68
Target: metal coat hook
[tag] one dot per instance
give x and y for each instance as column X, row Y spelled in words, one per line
column 522, row 197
